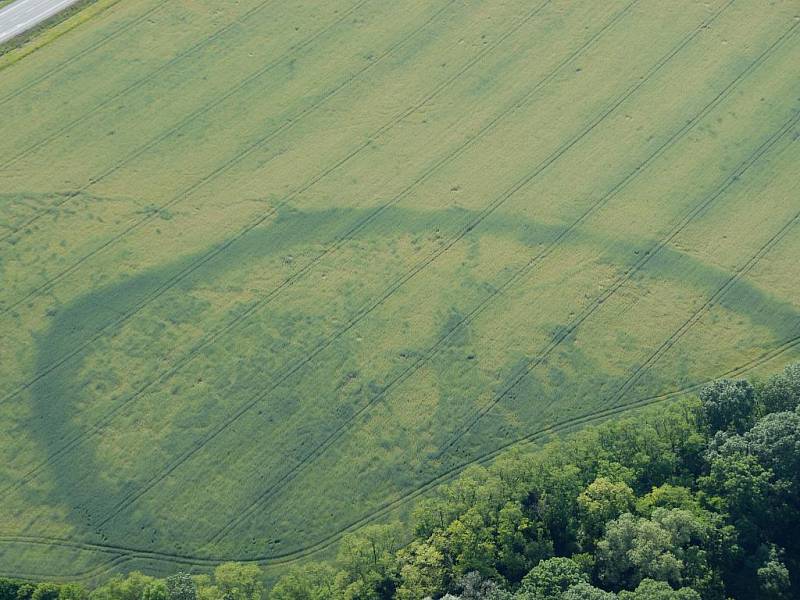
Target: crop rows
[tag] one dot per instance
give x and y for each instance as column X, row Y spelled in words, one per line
column 333, row 246
column 384, row 310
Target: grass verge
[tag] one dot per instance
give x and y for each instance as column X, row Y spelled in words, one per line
column 51, row 29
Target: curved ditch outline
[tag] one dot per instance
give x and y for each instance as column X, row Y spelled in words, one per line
column 171, row 282
column 76, row 440
column 432, row 351
column 128, row 499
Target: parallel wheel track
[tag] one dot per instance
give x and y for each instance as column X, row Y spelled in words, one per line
column 183, row 122
column 47, row 285
column 76, row 440
column 620, row 281
column 361, row 314
column 567, row 425
column 607, row 412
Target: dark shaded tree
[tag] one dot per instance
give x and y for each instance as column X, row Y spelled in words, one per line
column 727, row 405
column 181, row 587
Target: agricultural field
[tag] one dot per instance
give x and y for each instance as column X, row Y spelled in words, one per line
column 272, row 270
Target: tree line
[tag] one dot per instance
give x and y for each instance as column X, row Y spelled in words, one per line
column 698, row 500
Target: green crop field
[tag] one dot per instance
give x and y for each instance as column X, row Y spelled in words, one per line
column 270, row 270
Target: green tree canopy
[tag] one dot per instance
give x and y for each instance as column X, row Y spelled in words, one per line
column 311, row 581
column 727, row 405
column 635, row 548
column 550, row 579
column 46, row 591
column 781, row 392
column 237, row 581
column 659, row 590
column 181, row 587
column 602, row 501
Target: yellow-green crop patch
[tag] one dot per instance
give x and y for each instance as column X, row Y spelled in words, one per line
column 270, row 270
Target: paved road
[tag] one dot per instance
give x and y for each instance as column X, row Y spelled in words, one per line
column 21, row 15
